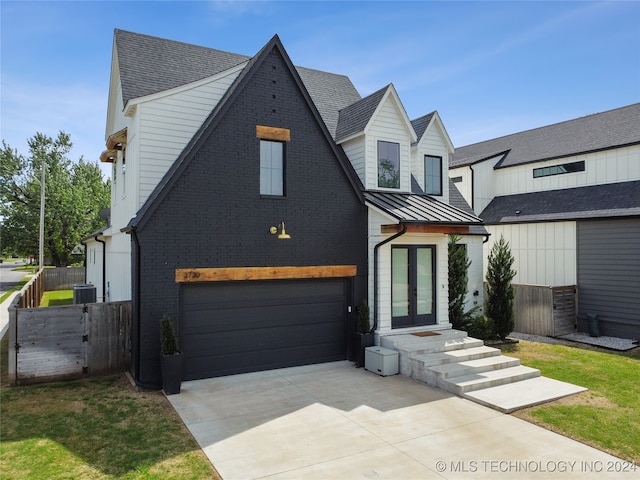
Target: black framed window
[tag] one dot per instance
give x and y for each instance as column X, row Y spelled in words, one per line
column 572, row 167
column 272, row 168
column 433, row 175
column 388, row 164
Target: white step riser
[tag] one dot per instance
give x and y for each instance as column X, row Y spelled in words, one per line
column 474, row 353
column 452, row 387
column 460, row 369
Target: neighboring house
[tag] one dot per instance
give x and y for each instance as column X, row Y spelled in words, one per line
column 258, row 204
column 567, row 198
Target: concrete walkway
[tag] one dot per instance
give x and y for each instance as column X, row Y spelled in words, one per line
column 335, row 421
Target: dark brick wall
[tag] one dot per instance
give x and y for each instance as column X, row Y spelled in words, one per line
column 214, row 215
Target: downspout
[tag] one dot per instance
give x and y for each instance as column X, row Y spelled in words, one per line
column 376, row 312
column 473, row 193
column 104, row 265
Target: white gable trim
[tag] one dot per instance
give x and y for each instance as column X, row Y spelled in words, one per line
column 129, row 108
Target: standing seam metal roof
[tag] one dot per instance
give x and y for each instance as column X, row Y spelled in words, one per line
column 411, row 208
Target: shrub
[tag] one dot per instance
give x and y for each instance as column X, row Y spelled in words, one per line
column 363, row 318
column 168, row 339
column 480, row 326
column 458, row 279
column 500, row 292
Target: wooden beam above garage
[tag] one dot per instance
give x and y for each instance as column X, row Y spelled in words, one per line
column 190, row 275
column 426, row 228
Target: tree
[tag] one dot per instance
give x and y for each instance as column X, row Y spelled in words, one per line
column 74, row 195
column 500, row 292
column 458, row 279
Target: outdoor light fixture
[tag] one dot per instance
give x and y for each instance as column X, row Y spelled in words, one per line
column 283, row 233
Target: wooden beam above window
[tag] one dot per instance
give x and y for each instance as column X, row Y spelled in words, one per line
column 117, row 140
column 273, row 133
column 426, row 228
column 226, row 274
column 108, row 156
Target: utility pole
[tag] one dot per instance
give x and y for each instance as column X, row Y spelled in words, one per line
column 41, row 252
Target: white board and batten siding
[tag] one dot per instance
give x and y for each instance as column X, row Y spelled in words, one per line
column 608, row 166
column 384, row 274
column 387, row 125
column 167, row 122
column 544, row 253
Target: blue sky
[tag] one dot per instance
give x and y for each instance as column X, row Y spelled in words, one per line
column 489, row 68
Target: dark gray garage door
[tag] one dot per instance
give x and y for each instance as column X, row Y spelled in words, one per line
column 236, row 327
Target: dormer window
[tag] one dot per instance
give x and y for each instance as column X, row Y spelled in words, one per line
column 388, row 164
column 432, row 175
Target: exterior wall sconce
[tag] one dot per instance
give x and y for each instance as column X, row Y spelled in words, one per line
column 283, row 234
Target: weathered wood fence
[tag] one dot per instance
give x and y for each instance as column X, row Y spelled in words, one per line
column 63, row 278
column 59, row 343
column 544, row 310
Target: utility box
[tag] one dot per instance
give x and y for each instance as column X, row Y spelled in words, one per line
column 380, row 360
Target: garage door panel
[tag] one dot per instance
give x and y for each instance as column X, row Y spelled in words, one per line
column 248, row 326
column 264, row 317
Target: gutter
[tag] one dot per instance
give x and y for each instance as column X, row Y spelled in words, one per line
column 104, row 265
column 376, row 311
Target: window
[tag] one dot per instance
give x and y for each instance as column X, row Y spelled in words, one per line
column 433, row 175
column 388, row 164
column 271, row 168
column 572, row 167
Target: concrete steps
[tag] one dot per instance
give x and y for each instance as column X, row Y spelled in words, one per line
column 465, row 366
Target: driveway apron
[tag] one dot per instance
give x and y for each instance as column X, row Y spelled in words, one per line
column 333, row 420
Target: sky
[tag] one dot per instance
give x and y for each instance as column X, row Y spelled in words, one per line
column 489, row 68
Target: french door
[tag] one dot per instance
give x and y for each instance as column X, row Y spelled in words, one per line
column 413, row 273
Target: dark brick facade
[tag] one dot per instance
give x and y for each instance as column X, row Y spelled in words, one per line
column 213, row 214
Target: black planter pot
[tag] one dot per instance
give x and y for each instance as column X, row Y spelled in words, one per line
column 171, row 368
column 360, row 342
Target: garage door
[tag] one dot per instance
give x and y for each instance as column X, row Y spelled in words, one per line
column 237, row 327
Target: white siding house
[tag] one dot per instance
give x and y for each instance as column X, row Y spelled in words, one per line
column 537, row 188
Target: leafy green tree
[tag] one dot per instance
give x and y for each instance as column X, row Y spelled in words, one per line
column 500, row 291
column 75, row 192
column 458, row 279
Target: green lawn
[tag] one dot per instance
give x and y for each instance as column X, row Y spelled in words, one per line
column 100, row 428
column 57, row 298
column 606, row 416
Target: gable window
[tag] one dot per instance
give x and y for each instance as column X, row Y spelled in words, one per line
column 271, row 168
column 388, row 164
column 433, row 175
column 572, row 167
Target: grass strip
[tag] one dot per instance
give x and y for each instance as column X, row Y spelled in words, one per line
column 606, row 416
column 98, row 428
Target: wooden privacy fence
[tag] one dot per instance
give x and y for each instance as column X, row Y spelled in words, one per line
column 59, row 343
column 63, row 278
column 544, row 310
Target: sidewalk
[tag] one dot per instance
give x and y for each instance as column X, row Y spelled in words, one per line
column 4, row 314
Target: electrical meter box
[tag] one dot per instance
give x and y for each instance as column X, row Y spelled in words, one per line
column 380, row 360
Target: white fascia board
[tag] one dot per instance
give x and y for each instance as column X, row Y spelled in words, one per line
column 129, row 108
column 391, row 92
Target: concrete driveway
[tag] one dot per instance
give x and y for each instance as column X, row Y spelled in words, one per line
column 336, row 421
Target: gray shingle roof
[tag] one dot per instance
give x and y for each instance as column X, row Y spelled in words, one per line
column 150, row 65
column 411, row 208
column 597, row 201
column 420, row 124
column 599, row 131
column 354, row 118
column 457, row 200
